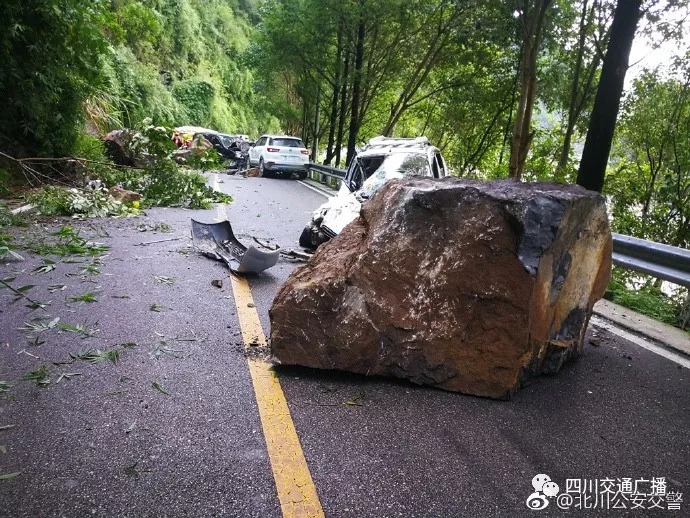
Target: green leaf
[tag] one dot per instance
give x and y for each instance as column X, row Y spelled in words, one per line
column 8, row 476
column 159, row 388
column 40, row 376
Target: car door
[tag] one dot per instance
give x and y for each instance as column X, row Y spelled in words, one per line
column 255, row 152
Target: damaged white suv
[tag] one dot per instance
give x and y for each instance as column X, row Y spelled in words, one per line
column 381, row 160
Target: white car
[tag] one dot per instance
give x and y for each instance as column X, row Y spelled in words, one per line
column 280, row 154
column 381, row 160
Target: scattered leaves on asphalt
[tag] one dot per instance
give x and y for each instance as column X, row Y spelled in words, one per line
column 97, row 356
column 67, row 375
column 162, row 279
column 129, row 345
column 3, row 448
column 90, row 296
column 161, row 348
column 39, row 325
column 8, row 476
column 93, row 268
column 85, row 329
column 131, row 427
column 157, row 308
column 160, row 388
column 218, row 283
column 6, row 426
column 56, row 287
column 355, row 401
column 40, row 376
column 120, row 297
column 132, row 471
column 4, row 388
column 38, row 304
column 36, row 342
column 47, row 266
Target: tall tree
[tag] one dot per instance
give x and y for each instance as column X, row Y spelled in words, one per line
column 355, row 108
column 532, row 21
column 592, row 35
column 602, row 123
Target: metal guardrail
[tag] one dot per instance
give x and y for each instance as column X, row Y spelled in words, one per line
column 330, row 176
column 662, row 261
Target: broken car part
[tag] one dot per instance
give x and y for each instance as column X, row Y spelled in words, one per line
column 217, row 240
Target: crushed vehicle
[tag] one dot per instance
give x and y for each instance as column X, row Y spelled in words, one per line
column 233, row 148
column 280, row 155
column 381, row 160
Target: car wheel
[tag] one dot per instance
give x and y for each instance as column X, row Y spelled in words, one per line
column 262, row 168
column 302, row 175
column 310, row 238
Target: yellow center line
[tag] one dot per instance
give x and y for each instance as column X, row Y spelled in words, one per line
column 296, row 491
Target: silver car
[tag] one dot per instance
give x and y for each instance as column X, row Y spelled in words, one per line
column 381, row 160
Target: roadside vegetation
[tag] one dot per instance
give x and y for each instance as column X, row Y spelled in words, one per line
column 505, row 89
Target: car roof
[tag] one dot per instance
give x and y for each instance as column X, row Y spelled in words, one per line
column 386, row 145
column 280, row 136
column 389, row 150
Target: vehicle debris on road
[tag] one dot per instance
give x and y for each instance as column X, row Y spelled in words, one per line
column 217, row 240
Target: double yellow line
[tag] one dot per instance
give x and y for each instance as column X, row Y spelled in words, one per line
column 296, row 490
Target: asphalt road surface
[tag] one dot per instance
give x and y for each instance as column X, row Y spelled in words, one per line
column 172, row 428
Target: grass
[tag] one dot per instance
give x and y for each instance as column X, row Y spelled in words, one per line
column 646, row 298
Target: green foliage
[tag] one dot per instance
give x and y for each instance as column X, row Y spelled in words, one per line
column 50, row 53
column 649, row 180
column 196, row 96
column 8, row 219
column 640, row 294
column 84, row 203
column 163, row 182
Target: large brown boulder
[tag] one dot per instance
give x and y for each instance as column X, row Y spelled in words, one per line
column 465, row 285
column 118, row 145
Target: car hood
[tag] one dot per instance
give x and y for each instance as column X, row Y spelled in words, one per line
column 337, row 212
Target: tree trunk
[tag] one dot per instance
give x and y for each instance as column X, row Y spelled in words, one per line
column 317, row 122
column 356, row 86
column 342, row 116
column 333, row 119
column 522, row 136
column 602, row 123
column 570, row 124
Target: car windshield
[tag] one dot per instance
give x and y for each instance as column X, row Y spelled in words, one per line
column 225, row 140
column 395, row 166
column 287, row 142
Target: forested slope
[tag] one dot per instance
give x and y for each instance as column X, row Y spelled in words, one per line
column 111, row 64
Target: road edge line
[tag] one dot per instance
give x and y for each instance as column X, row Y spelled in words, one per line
column 315, row 189
column 602, row 323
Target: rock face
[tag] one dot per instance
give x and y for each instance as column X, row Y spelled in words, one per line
column 465, row 285
column 118, row 147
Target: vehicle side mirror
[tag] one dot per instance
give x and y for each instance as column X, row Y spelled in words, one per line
column 252, row 144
